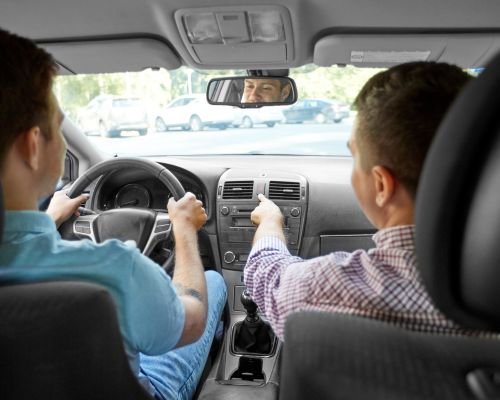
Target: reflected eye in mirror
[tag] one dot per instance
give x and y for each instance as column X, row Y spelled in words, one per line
column 252, row 91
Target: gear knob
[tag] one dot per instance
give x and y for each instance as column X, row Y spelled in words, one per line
column 248, row 303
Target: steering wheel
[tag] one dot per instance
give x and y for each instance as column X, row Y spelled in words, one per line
column 144, row 226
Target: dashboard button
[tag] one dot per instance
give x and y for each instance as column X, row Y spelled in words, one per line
column 295, row 212
column 224, row 210
column 229, row 257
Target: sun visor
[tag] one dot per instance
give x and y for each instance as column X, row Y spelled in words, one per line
column 112, row 55
column 248, row 37
column 465, row 50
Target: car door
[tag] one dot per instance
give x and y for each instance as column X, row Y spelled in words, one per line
column 89, row 118
column 171, row 115
column 186, row 110
column 313, row 109
column 296, row 112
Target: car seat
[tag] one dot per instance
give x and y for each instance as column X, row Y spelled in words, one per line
column 61, row 340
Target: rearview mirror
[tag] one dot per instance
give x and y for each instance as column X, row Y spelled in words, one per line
column 252, row 91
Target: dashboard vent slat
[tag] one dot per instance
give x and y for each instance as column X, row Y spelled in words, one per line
column 238, row 190
column 281, row 190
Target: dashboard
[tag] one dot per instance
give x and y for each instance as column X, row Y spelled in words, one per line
column 329, row 219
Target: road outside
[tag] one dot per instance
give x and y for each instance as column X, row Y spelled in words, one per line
column 303, row 139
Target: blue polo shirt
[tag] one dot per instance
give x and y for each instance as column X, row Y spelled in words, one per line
column 150, row 313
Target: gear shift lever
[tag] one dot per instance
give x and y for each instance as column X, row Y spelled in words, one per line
column 252, row 335
column 250, row 306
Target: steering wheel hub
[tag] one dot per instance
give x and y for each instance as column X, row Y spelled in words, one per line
column 125, row 224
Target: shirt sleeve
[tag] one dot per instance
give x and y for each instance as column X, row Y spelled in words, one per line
column 278, row 282
column 154, row 313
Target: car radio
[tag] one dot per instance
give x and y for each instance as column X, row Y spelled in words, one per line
column 236, row 199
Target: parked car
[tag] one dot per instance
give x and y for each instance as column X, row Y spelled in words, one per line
column 248, row 117
column 192, row 112
column 317, row 110
column 110, row 115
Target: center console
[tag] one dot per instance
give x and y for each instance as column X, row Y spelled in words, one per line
column 241, row 364
column 237, row 198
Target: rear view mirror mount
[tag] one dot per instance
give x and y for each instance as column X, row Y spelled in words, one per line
column 252, row 91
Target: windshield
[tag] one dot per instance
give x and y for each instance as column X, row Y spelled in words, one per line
column 160, row 112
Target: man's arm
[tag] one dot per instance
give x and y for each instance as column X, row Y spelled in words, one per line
column 269, row 220
column 188, row 216
column 265, row 274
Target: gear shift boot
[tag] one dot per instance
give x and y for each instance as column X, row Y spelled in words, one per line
column 252, row 335
column 253, row 338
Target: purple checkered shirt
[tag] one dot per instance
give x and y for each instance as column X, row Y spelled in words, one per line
column 382, row 283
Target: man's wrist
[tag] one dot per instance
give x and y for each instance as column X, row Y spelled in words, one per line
column 272, row 224
column 57, row 218
column 270, row 227
column 183, row 228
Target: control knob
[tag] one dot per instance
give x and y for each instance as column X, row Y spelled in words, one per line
column 224, row 210
column 229, row 257
column 295, row 212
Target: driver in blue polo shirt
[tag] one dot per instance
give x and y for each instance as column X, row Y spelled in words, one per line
column 157, row 314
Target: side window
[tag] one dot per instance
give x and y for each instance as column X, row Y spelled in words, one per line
column 177, row 103
column 104, row 103
column 70, row 172
column 92, row 105
column 69, row 175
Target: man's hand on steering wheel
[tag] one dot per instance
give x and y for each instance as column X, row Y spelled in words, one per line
column 62, row 207
column 186, row 213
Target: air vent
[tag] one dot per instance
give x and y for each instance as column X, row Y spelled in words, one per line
column 238, row 190
column 279, row 190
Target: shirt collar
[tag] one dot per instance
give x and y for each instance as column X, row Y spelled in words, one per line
column 28, row 221
column 399, row 237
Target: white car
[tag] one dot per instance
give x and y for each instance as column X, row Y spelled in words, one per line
column 248, row 117
column 110, row 115
column 192, row 112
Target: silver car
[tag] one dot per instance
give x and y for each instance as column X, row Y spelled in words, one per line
column 192, row 112
column 109, row 116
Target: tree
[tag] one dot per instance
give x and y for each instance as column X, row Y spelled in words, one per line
column 341, row 83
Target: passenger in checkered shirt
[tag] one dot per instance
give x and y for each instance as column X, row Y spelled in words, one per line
column 399, row 111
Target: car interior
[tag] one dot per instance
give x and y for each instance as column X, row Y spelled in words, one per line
column 60, row 340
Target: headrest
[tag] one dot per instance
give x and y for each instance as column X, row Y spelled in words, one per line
column 458, row 207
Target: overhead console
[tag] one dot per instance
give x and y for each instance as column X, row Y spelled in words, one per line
column 247, row 37
column 236, row 199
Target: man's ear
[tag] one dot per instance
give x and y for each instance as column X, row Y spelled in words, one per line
column 285, row 92
column 385, row 184
column 28, row 144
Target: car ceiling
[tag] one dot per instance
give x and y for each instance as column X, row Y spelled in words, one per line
column 114, row 35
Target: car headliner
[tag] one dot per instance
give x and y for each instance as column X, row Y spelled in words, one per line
column 469, row 33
